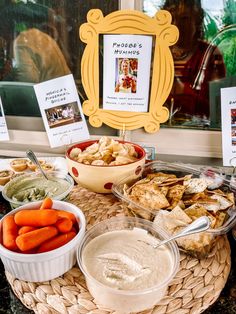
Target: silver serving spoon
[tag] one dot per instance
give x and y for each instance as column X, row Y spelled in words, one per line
column 31, row 155
column 198, row 225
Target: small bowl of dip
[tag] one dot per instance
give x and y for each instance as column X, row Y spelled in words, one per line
column 32, row 187
column 123, row 271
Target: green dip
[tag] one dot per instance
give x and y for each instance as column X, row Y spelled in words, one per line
column 35, row 188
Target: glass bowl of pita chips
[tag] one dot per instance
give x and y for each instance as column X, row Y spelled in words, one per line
column 173, row 196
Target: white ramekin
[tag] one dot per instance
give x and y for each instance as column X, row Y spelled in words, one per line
column 49, row 265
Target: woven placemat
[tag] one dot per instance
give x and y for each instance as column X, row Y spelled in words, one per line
column 195, row 287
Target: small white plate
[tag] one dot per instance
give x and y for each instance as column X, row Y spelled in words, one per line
column 59, row 163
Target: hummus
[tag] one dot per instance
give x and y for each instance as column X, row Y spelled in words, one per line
column 126, row 260
column 34, row 188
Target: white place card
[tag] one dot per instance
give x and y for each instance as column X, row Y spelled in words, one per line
column 126, row 72
column 61, row 111
column 4, row 135
column 228, row 125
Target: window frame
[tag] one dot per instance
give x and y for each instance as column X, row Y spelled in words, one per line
column 170, row 141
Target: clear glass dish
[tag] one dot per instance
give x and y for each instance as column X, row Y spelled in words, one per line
column 132, row 299
column 215, row 182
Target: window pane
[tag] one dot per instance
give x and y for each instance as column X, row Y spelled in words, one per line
column 204, row 58
column 39, row 40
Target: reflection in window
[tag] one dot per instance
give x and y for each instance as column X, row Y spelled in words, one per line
column 39, row 40
column 204, row 58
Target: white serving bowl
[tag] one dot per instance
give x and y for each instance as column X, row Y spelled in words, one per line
column 49, row 265
column 118, row 299
column 31, row 180
column 99, row 178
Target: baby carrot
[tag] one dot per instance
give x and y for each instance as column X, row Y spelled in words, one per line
column 32, row 239
column 73, row 229
column 25, row 229
column 47, row 203
column 64, row 225
column 32, row 251
column 65, row 214
column 56, row 242
column 36, row 217
column 9, row 233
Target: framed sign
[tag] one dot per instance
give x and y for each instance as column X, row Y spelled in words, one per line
column 128, row 62
column 137, row 71
column 61, row 111
column 4, row 135
column 228, row 125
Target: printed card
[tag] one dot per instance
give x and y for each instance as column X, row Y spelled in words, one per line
column 126, row 72
column 61, row 111
column 4, row 135
column 228, row 124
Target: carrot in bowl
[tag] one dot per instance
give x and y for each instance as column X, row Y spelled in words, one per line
column 9, row 233
column 73, row 229
column 25, row 229
column 64, row 225
column 32, row 239
column 65, row 214
column 36, row 217
column 56, row 242
column 47, row 203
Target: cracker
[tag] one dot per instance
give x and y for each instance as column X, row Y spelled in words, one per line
column 220, row 219
column 149, row 196
column 172, row 221
column 230, row 197
column 223, row 201
column 175, row 193
column 195, row 185
column 160, row 175
column 197, row 210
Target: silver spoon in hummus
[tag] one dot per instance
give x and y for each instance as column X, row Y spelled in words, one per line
column 198, row 225
column 32, row 157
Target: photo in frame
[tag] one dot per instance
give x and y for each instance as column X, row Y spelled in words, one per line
column 126, row 72
column 61, row 111
column 131, row 23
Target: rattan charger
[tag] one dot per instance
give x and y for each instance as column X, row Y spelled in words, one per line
column 195, row 287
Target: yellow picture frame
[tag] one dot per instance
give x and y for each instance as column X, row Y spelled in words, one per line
column 134, row 23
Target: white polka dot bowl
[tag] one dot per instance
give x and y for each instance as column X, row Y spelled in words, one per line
column 100, row 178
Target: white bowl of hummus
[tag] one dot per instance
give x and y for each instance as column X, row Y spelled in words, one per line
column 32, row 187
column 123, row 271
